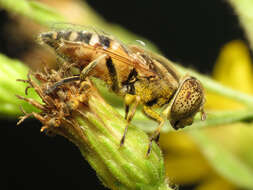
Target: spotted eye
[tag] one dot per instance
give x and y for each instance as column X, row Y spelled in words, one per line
column 187, row 102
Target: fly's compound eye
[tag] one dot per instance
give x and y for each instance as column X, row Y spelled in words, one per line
column 187, row 102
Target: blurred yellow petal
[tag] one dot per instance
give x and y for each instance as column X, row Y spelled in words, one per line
column 216, row 183
column 177, row 141
column 234, row 69
column 183, row 161
column 234, row 133
column 238, row 140
column 186, row 169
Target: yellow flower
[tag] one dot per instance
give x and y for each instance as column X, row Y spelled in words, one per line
column 233, row 68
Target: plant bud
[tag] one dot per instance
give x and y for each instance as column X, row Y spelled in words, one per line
column 82, row 116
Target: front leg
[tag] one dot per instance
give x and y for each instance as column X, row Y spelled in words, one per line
column 131, row 103
column 154, row 116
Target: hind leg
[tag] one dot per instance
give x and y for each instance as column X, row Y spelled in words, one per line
column 85, row 72
column 156, row 117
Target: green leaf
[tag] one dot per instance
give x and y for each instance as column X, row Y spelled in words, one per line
column 223, row 161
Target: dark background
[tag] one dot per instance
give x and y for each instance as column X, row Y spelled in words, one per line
column 189, row 32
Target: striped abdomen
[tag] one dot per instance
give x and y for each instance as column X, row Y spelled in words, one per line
column 53, row 38
column 82, row 47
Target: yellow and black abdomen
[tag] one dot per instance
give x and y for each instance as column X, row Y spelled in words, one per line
column 82, row 47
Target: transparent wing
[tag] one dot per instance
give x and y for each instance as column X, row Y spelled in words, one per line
column 131, row 58
column 161, row 59
column 75, row 27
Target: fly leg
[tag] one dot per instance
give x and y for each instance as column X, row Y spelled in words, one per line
column 154, row 116
column 131, row 103
column 85, row 72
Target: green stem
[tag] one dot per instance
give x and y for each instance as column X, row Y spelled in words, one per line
column 213, row 119
column 221, row 118
column 243, row 9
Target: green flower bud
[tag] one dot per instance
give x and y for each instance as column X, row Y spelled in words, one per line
column 77, row 111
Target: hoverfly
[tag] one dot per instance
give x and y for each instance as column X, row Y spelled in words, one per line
column 140, row 76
